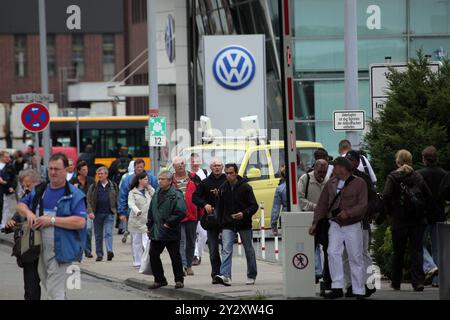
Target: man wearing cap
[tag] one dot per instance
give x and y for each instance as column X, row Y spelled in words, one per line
column 355, row 159
column 344, row 202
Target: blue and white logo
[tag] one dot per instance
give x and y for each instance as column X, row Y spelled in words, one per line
column 234, row 67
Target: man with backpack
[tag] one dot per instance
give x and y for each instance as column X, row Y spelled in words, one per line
column 434, row 176
column 119, row 166
column 58, row 210
column 407, row 198
column 355, row 158
column 310, row 186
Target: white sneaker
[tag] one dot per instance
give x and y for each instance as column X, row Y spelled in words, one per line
column 224, row 280
column 250, row 281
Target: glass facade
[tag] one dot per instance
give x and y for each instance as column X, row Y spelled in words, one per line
column 394, row 28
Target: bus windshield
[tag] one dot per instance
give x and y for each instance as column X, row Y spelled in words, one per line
column 206, row 156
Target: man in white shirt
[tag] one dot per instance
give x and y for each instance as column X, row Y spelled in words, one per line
column 364, row 166
column 70, row 170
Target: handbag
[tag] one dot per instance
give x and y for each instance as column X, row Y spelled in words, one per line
column 146, row 267
column 210, row 221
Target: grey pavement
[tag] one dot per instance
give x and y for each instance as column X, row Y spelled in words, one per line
column 11, row 283
column 269, row 284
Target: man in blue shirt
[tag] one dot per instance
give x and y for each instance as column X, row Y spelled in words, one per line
column 58, row 210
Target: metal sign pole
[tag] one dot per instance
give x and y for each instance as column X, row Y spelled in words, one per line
column 287, row 86
column 152, row 72
column 44, row 74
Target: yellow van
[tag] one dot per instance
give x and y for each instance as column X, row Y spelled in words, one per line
column 259, row 164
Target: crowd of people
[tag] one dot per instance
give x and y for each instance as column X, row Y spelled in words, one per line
column 183, row 210
column 343, row 196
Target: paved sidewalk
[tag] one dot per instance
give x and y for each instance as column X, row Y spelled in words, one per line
column 269, row 284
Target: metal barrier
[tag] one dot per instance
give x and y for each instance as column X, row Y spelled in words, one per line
column 443, row 234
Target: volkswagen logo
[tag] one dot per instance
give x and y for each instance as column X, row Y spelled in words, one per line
column 234, row 67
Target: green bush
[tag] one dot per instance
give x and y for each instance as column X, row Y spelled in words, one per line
column 416, row 115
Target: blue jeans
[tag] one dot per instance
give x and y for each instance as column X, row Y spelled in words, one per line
column 103, row 228
column 228, row 237
column 318, row 260
column 88, row 249
column 187, row 242
column 430, row 261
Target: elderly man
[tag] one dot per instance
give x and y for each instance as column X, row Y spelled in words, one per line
column 58, row 209
column 310, row 186
column 166, row 211
column 206, row 197
column 181, row 180
column 71, row 170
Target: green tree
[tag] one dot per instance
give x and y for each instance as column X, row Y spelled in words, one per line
column 416, row 115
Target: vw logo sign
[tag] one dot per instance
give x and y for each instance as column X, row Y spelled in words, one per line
column 234, row 67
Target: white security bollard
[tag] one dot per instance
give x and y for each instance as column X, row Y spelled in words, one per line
column 239, row 245
column 277, row 256
column 298, row 255
column 263, row 233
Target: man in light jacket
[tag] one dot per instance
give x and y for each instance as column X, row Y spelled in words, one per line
column 310, row 186
column 344, row 202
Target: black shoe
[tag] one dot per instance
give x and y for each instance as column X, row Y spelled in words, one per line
column 334, row 294
column 215, row 281
column 419, row 287
column 324, row 287
column 318, row 277
column 349, row 293
column 157, row 285
column 395, row 287
column 88, row 255
column 179, row 285
column 110, row 255
column 121, row 231
column 370, row 292
column 99, row 259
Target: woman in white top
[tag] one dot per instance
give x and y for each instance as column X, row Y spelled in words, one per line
column 139, row 200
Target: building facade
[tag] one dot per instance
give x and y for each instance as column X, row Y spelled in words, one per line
column 386, row 28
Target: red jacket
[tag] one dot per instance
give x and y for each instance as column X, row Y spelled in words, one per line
column 193, row 213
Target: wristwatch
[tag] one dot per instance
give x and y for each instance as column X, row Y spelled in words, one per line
column 53, row 220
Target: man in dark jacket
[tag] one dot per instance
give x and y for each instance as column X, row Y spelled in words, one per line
column 206, row 197
column 8, row 184
column 166, row 211
column 433, row 176
column 119, row 166
column 237, row 205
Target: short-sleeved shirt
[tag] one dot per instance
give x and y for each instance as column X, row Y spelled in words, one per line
column 51, row 197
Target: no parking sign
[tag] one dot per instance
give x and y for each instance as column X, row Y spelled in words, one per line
column 35, row 117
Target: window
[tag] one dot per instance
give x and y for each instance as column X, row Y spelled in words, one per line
column 258, row 160
column 51, row 55
column 20, row 45
column 78, row 55
column 109, row 62
column 430, row 17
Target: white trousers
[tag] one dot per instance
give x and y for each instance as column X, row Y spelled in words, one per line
column 202, row 236
column 367, row 261
column 138, row 242
column 352, row 237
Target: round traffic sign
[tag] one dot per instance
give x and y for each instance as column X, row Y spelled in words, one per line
column 35, row 117
column 300, row 261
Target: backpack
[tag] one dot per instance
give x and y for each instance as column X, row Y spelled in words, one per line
column 412, row 200
column 121, row 169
